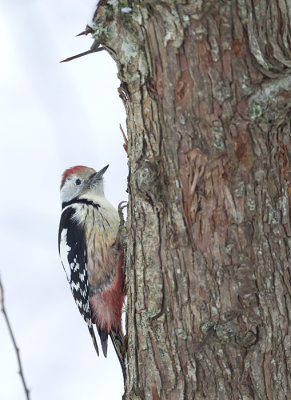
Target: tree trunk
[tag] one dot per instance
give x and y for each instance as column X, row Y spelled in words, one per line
column 206, row 87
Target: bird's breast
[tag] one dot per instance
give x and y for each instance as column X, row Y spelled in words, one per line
column 100, row 228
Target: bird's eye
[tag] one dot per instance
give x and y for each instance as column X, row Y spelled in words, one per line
column 78, row 181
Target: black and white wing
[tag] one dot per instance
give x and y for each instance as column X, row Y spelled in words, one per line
column 73, row 253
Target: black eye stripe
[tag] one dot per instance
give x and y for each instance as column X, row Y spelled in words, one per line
column 78, row 181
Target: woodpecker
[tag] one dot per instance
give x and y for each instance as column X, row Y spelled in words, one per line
column 92, row 256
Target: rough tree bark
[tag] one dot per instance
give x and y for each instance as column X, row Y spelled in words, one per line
column 206, row 87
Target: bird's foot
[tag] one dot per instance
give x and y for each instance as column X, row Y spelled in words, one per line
column 121, row 234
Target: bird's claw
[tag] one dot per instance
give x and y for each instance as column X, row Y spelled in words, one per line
column 121, row 206
column 121, row 234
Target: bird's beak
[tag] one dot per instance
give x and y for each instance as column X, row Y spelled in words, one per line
column 98, row 175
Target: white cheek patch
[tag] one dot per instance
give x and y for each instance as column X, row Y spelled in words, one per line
column 70, row 190
column 64, row 251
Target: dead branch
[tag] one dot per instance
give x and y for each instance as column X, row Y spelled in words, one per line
column 13, row 340
column 125, row 144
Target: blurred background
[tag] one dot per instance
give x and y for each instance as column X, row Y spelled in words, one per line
column 52, row 116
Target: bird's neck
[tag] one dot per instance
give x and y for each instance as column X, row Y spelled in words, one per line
column 82, row 201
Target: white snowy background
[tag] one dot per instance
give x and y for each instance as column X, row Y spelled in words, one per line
column 52, row 116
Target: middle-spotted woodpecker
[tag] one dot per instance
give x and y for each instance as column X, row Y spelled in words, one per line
column 91, row 255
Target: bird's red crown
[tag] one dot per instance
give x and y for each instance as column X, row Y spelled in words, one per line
column 71, row 171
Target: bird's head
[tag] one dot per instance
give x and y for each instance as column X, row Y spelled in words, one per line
column 78, row 181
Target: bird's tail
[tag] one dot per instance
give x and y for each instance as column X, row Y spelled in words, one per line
column 104, row 340
column 93, row 339
column 119, row 346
